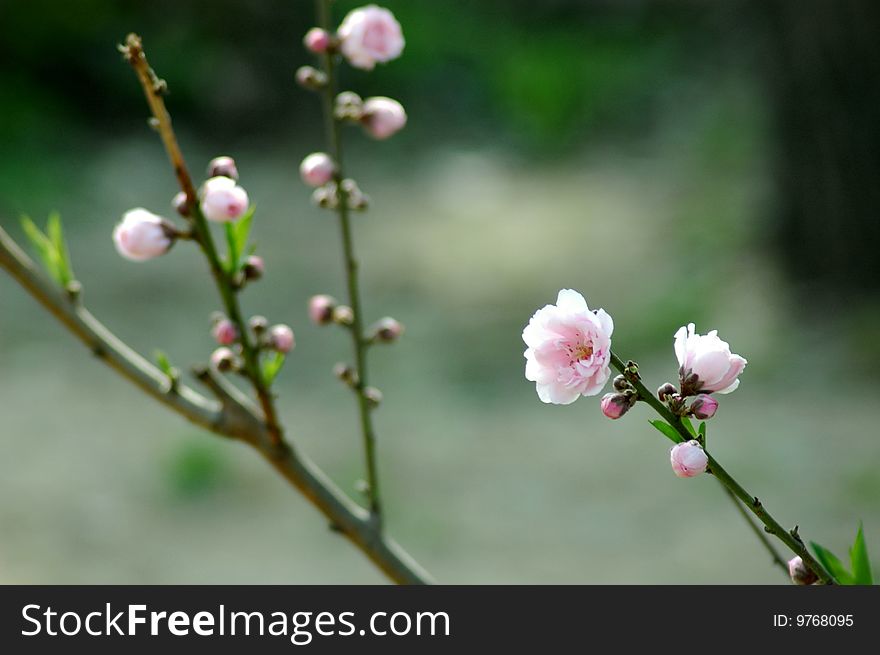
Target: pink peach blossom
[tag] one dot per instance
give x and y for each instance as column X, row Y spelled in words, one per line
column 223, row 200
column 141, row 235
column 370, row 35
column 704, row 407
column 382, row 117
column 706, row 363
column 614, row 405
column 688, row 459
column 569, row 348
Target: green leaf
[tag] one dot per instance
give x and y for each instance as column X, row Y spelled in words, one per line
column 56, row 235
column 237, row 234
column 44, row 247
column 833, row 565
column 669, row 431
column 271, row 366
column 165, row 366
column 859, row 562
column 702, row 429
column 686, row 422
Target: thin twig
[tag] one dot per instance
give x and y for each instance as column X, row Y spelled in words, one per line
column 754, row 505
column 231, row 417
column 359, row 340
column 777, row 559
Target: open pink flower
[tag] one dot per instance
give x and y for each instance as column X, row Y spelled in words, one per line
column 569, row 347
column 370, row 35
column 706, row 363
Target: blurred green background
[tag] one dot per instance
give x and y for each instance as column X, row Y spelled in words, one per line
column 673, row 161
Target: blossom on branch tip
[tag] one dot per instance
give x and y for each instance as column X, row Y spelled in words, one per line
column 222, row 200
column 281, row 338
column 382, row 117
column 141, row 235
column 688, row 459
column 370, row 35
column 705, row 362
column 317, row 169
column 569, row 349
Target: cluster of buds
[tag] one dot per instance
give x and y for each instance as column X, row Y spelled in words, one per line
column 278, row 337
column 367, row 36
column 702, row 407
column 324, row 310
column 228, row 357
column 142, row 235
column 621, row 400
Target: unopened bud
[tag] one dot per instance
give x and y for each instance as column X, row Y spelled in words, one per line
column 223, row 359
column 665, row 390
column 317, row 169
column 800, row 574
column 349, row 106
column 704, row 406
column 343, row 315
column 181, row 204
column 620, row 383
column 281, row 338
column 258, row 324
column 254, row 267
column 345, row 373
column 321, row 309
column 373, row 396
column 310, row 78
column 317, row 40
column 688, row 459
column 326, row 197
column 382, row 117
column 223, row 167
column 222, row 200
column 141, row 235
column 615, row 405
column 387, row 330
column 354, row 197
column 224, row 332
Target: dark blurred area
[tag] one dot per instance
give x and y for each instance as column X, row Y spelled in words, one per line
column 675, row 161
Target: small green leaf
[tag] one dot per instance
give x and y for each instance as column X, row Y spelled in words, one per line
column 271, row 366
column 237, row 235
column 702, row 429
column 56, row 235
column 669, row 431
column 165, row 366
column 833, row 565
column 686, row 422
column 859, row 562
column 44, row 247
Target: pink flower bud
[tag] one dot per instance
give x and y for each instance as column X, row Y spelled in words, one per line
column 223, row 359
column 382, row 117
column 180, row 204
column 666, row 390
column 224, row 332
column 141, row 235
column 316, row 40
column 688, row 459
column 370, row 35
column 223, row 200
column 254, row 267
column 259, row 324
column 704, row 406
column 223, row 167
column 317, row 169
column 388, row 329
column 373, row 396
column 321, row 309
column 800, row 574
column 281, row 338
column 615, row 405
